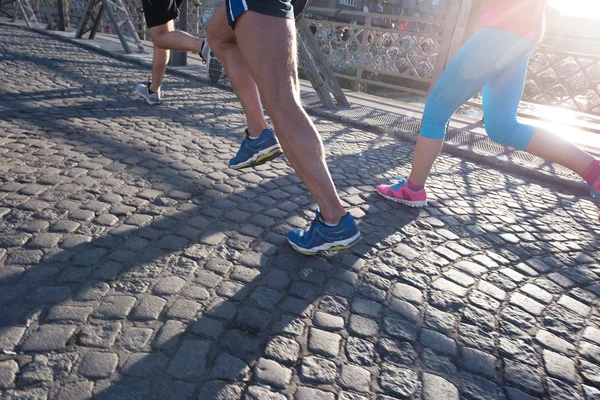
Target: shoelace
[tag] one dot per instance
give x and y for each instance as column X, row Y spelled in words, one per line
column 400, row 182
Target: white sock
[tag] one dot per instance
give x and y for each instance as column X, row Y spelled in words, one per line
column 328, row 224
column 253, row 138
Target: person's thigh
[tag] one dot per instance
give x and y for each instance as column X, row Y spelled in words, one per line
column 218, row 28
column 486, row 54
column 160, row 12
column 268, row 47
column 501, row 98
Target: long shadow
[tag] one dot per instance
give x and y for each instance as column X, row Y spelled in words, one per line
column 229, row 294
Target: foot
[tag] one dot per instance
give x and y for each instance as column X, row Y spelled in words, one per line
column 400, row 193
column 143, row 90
column 215, row 69
column 595, row 192
column 257, row 151
column 321, row 237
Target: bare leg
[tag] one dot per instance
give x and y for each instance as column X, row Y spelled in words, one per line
column 224, row 44
column 268, row 47
column 553, row 148
column 426, row 152
column 178, row 41
column 160, row 58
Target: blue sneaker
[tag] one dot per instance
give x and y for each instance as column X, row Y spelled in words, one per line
column 257, row 151
column 320, row 237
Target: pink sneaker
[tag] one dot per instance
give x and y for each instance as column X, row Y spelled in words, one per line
column 400, row 193
column 595, row 193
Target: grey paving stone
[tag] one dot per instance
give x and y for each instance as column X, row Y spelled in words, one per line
column 190, row 359
column 318, row 370
column 135, row 338
column 75, row 391
column 146, row 365
column 479, row 362
column 169, row 335
column 362, row 326
column 324, row 343
column 220, row 391
column 96, row 365
column 306, row 393
column 524, row 376
column 399, row 381
column 554, row 342
column 559, row 366
column 355, row 378
column 272, row 373
column 99, row 336
column 184, row 309
column 243, row 344
column 207, row 327
column 229, row 368
column 10, row 336
column 435, row 387
column 400, row 329
column 8, row 372
column 360, row 351
column 516, row 394
column 328, row 322
column 67, row 313
column 148, row 308
column 283, row 349
column 473, row 387
column 114, row 307
column 48, row 338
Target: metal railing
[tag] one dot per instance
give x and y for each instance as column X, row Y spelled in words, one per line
column 387, row 51
column 401, row 53
column 564, row 79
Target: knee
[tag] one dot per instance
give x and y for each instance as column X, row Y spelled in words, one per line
column 281, row 103
column 156, row 33
column 214, row 34
column 508, row 132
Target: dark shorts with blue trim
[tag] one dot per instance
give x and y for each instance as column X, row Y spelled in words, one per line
column 159, row 12
column 289, row 9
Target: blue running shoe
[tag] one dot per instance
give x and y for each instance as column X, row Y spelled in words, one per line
column 320, row 237
column 257, row 151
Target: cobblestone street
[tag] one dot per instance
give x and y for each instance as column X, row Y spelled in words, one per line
column 134, row 264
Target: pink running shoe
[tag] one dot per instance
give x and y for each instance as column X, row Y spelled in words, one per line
column 595, row 193
column 400, row 193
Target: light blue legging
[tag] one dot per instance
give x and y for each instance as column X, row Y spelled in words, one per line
column 492, row 59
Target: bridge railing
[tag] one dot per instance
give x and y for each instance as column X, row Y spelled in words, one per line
column 376, row 51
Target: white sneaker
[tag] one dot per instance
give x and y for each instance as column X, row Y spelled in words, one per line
column 143, row 90
column 215, row 69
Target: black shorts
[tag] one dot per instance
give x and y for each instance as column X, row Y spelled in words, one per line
column 289, row 9
column 159, row 12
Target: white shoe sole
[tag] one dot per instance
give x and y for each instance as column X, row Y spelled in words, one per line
column 339, row 245
column 415, row 204
column 143, row 95
column 256, row 156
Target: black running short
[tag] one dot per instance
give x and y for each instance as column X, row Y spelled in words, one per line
column 159, row 12
column 289, row 9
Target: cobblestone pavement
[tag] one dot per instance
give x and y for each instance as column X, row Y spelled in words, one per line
column 134, row 264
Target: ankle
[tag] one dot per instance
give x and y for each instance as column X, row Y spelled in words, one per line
column 255, row 132
column 153, row 89
column 414, row 187
column 333, row 218
column 592, row 172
